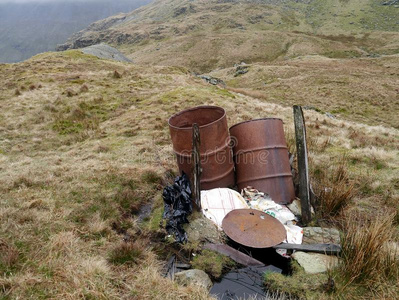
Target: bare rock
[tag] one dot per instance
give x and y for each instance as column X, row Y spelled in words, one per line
column 194, row 277
column 106, row 52
column 318, row 235
column 203, row 230
column 314, row 263
column 295, row 207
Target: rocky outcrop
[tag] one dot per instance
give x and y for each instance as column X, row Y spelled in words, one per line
column 106, row 52
column 94, row 34
column 211, row 80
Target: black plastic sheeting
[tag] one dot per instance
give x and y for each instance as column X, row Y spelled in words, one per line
column 177, row 206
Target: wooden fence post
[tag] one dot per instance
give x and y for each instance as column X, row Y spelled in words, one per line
column 303, row 168
column 196, row 158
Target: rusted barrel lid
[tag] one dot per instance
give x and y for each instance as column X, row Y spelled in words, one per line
column 253, row 228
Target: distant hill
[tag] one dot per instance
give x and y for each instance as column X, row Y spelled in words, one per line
column 204, row 35
column 28, row 28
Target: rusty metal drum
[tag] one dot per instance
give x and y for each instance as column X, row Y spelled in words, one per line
column 216, row 154
column 261, row 158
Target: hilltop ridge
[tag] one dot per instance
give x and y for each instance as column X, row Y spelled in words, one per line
column 204, row 35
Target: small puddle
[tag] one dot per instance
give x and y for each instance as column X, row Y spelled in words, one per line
column 243, row 284
column 144, row 212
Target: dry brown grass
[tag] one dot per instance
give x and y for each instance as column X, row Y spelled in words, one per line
column 127, row 253
column 8, row 255
column 69, row 195
column 116, row 74
column 368, row 259
column 333, row 188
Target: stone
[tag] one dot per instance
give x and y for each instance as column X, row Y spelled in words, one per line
column 331, row 116
column 211, row 80
column 314, row 263
column 318, row 235
column 194, row 277
column 295, row 207
column 203, row 230
column 240, row 70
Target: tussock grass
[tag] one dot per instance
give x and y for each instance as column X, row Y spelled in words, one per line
column 116, row 74
column 8, row 256
column 126, row 253
column 368, row 258
column 334, row 189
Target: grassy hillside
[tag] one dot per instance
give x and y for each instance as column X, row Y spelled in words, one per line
column 364, row 89
column 85, row 148
column 203, row 35
column 82, row 150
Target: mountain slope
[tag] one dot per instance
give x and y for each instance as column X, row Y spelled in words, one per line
column 28, row 28
column 203, row 35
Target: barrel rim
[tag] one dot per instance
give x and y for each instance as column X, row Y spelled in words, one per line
column 196, row 108
column 255, row 120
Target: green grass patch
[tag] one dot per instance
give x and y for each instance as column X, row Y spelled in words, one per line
column 300, row 285
column 64, row 127
column 213, row 263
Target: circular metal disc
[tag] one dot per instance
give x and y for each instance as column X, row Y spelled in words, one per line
column 253, row 228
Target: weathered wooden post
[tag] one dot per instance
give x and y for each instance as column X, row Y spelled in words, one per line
column 196, row 157
column 303, row 170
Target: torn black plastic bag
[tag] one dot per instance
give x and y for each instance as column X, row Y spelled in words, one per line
column 178, row 205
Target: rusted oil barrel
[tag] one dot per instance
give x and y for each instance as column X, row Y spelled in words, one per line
column 261, row 158
column 216, row 155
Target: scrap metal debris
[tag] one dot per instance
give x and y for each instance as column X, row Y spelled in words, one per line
column 253, row 228
column 177, row 206
column 331, row 249
column 217, row 203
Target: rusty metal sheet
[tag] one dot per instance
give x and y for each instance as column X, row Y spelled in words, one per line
column 215, row 151
column 253, row 228
column 261, row 158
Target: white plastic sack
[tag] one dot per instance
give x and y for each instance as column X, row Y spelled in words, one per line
column 261, row 201
column 217, row 203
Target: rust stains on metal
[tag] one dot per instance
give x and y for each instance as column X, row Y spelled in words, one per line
column 216, row 155
column 261, row 158
column 253, row 228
